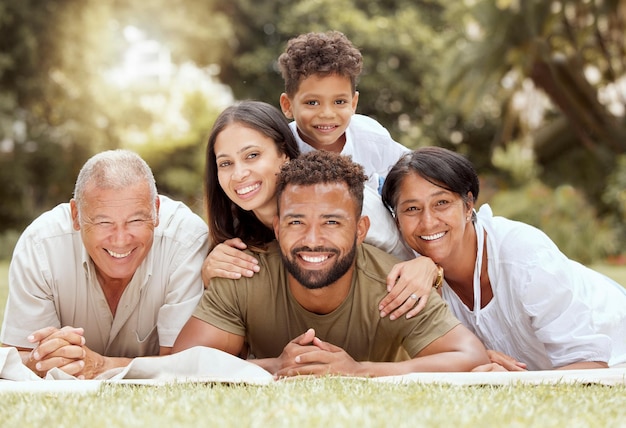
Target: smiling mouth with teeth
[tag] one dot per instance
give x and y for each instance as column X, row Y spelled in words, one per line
column 432, row 237
column 315, row 259
column 118, row 255
column 248, row 189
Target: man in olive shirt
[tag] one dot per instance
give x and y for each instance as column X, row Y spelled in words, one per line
column 312, row 308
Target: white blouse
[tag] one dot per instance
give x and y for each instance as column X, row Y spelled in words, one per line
column 547, row 310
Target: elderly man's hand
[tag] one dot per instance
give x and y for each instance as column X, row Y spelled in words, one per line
column 62, row 348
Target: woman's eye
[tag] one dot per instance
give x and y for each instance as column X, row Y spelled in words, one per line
column 223, row 164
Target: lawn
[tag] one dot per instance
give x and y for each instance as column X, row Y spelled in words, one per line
column 325, row 402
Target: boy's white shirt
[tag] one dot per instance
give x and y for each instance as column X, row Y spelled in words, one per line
column 369, row 144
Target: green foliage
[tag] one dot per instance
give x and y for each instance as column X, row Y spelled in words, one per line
column 397, row 85
column 428, row 77
column 615, row 193
column 8, row 239
column 564, row 214
column 615, row 197
column 50, row 116
column 517, row 159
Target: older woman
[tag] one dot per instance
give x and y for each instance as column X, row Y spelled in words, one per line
column 505, row 280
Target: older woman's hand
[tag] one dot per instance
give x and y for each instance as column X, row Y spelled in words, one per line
column 409, row 284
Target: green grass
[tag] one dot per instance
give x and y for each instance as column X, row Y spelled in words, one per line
column 325, row 402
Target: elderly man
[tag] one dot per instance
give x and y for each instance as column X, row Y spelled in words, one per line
column 111, row 275
column 312, row 308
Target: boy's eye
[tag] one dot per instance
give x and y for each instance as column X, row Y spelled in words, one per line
column 341, row 102
column 312, row 103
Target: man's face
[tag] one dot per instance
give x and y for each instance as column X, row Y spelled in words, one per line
column 318, row 230
column 117, row 228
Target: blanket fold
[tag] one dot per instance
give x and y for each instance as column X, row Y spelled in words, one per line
column 201, row 364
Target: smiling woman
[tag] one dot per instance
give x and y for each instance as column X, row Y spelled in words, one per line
column 505, row 280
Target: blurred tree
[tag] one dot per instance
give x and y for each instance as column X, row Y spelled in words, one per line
column 573, row 51
column 399, row 40
column 58, row 105
column 50, row 55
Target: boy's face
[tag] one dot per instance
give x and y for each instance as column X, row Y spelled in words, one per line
column 322, row 108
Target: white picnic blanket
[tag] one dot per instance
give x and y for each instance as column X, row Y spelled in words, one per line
column 202, row 364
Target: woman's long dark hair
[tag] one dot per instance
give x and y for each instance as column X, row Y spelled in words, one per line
column 225, row 218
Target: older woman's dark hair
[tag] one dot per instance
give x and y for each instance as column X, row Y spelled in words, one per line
column 442, row 167
column 225, row 218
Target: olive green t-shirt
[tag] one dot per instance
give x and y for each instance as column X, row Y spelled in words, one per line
column 263, row 310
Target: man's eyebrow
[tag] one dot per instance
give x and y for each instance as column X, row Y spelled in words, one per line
column 324, row 216
column 293, row 215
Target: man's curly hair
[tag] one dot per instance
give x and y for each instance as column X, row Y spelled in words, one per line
column 320, row 166
column 319, row 54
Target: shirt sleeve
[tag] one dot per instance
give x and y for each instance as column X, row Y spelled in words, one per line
column 553, row 297
column 185, row 281
column 432, row 322
column 30, row 303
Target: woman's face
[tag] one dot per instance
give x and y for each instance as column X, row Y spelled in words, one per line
column 433, row 221
column 247, row 164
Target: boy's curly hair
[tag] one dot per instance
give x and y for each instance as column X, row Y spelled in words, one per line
column 320, row 166
column 319, row 53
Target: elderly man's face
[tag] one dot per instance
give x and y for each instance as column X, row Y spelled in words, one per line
column 117, row 228
column 318, row 230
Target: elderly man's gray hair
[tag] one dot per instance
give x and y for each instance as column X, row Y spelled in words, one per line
column 114, row 169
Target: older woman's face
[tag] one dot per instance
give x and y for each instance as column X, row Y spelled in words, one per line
column 433, row 221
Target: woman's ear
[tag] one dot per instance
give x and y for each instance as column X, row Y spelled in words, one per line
column 469, row 204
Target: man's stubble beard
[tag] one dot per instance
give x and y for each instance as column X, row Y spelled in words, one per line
column 319, row 279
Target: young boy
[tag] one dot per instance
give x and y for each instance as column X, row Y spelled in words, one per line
column 320, row 71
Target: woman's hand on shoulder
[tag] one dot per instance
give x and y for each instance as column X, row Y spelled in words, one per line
column 409, row 284
column 227, row 260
